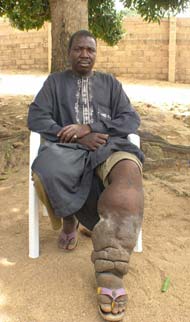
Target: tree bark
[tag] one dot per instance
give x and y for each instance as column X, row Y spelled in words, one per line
column 67, row 16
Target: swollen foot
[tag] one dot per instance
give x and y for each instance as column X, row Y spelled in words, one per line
column 68, row 237
column 112, row 297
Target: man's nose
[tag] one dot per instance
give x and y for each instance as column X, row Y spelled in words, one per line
column 84, row 52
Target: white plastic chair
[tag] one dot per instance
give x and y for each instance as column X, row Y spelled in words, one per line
column 34, row 202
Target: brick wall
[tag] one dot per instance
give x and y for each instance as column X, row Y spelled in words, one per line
column 145, row 52
column 183, row 50
column 142, row 54
column 23, row 51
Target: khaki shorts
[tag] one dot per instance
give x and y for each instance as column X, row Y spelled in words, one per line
column 104, row 168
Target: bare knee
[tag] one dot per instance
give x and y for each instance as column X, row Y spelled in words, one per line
column 126, row 172
column 124, row 194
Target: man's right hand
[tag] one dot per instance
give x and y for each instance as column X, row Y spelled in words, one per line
column 69, row 133
column 93, row 140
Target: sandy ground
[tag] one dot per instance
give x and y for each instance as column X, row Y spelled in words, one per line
column 60, row 287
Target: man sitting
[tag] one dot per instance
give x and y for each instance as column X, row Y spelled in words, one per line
column 87, row 170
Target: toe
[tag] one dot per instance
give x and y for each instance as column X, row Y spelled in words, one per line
column 62, row 243
column 104, row 303
column 72, row 244
column 122, row 307
column 105, row 308
column 115, row 307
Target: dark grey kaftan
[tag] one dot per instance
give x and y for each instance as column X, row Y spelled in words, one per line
column 68, row 170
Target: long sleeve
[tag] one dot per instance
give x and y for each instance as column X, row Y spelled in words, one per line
column 124, row 119
column 42, row 112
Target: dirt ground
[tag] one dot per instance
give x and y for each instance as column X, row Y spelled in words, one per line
column 60, row 287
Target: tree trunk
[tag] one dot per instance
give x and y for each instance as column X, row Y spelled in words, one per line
column 67, row 16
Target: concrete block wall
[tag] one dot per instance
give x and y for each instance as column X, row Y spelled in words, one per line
column 21, row 50
column 147, row 51
column 142, row 53
column 183, row 50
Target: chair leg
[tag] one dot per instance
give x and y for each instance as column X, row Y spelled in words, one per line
column 33, row 222
column 138, row 247
column 135, row 139
column 33, row 200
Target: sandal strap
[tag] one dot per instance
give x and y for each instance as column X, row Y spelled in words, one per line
column 68, row 237
column 112, row 293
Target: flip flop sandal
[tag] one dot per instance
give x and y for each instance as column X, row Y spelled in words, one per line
column 68, row 238
column 113, row 294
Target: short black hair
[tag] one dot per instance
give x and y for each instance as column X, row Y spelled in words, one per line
column 80, row 33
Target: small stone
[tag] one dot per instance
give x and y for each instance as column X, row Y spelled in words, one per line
column 177, row 116
column 18, row 145
column 2, row 178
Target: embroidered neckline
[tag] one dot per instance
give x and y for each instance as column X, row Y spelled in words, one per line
column 81, row 77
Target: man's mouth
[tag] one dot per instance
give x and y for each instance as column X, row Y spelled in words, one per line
column 84, row 63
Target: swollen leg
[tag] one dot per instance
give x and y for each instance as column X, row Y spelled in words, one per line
column 113, row 245
column 120, row 209
column 114, row 237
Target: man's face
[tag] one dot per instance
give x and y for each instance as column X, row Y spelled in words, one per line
column 82, row 55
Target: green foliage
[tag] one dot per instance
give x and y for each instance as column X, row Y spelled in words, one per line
column 129, row 12
column 104, row 21
column 25, row 14
column 154, row 10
